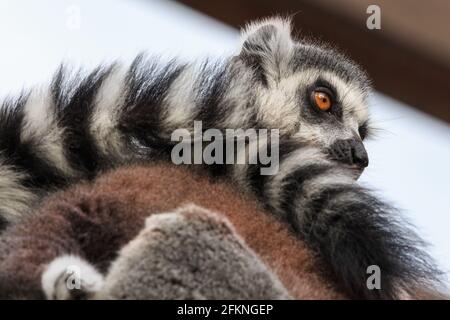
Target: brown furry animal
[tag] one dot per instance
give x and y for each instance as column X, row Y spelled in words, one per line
column 190, row 253
column 94, row 221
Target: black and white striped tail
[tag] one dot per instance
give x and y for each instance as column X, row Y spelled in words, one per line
column 345, row 225
column 82, row 124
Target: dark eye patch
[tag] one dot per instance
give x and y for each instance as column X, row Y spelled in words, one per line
column 321, row 85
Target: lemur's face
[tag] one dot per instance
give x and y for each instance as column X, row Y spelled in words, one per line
column 311, row 93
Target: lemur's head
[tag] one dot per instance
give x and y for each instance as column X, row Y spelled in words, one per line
column 310, row 92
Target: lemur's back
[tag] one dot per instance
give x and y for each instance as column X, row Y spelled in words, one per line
column 95, row 220
column 162, row 188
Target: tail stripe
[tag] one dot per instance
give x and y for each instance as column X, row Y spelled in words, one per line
column 212, row 87
column 24, row 155
column 293, row 186
column 144, row 109
column 75, row 100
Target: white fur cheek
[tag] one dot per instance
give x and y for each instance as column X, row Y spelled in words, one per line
column 278, row 105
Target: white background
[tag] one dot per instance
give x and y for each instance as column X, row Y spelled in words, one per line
column 409, row 160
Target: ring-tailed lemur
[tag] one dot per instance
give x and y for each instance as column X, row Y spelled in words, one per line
column 317, row 98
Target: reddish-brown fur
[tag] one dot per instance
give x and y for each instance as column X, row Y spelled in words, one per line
column 162, row 188
column 95, row 220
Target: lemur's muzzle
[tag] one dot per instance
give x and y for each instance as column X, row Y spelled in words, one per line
column 350, row 152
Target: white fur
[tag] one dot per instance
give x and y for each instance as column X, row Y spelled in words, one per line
column 108, row 103
column 54, row 281
column 298, row 159
column 14, row 198
column 334, row 177
column 180, row 99
column 283, row 26
column 40, row 125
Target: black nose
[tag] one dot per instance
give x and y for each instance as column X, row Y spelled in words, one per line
column 350, row 151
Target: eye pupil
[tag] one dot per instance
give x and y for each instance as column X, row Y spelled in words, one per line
column 322, row 100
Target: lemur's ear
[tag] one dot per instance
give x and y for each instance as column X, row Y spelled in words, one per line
column 267, row 47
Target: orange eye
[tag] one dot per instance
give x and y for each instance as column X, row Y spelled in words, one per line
column 322, row 100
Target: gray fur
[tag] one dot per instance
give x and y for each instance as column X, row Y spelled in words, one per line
column 188, row 254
